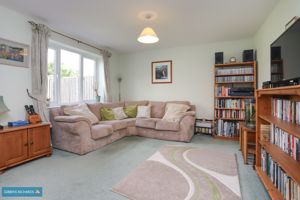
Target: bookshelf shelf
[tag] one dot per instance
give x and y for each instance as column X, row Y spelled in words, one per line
column 230, row 119
column 269, row 156
column 272, row 190
column 235, row 97
column 221, row 75
column 289, row 127
column 236, row 82
column 227, row 76
column 229, row 108
column 287, row 163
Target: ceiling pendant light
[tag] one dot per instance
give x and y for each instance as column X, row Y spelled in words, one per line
column 148, row 36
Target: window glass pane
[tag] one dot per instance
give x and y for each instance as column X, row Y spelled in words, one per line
column 89, row 79
column 69, row 77
column 51, row 74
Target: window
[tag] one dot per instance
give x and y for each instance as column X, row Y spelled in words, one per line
column 72, row 75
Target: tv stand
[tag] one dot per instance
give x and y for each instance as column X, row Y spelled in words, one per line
column 275, row 84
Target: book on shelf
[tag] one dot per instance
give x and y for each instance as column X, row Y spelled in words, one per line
column 286, row 109
column 227, row 79
column 235, row 70
column 234, row 114
column 227, row 128
column 286, row 142
column 222, row 91
column 230, row 103
column 265, row 132
column 285, row 184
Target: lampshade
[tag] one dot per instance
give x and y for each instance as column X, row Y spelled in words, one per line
column 148, row 36
column 3, row 107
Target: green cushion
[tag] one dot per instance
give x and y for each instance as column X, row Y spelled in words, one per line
column 107, row 114
column 130, row 111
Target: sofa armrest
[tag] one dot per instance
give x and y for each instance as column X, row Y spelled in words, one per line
column 72, row 119
column 188, row 113
column 76, row 125
column 187, row 124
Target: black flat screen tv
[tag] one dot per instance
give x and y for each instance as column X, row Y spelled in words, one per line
column 285, row 55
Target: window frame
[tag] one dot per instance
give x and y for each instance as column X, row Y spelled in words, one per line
column 57, row 47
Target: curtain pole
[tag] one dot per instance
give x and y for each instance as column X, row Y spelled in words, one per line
column 33, row 23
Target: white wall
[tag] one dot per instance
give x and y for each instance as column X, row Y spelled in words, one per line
column 193, row 75
column 14, row 80
column 270, row 31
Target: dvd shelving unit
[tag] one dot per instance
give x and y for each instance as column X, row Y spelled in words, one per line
column 229, row 109
column 278, row 154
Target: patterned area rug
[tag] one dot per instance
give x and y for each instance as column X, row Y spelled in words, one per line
column 183, row 173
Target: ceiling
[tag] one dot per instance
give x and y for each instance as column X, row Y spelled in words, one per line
column 117, row 23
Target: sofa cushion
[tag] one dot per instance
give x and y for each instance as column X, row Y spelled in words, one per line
column 130, row 121
column 136, row 103
column 143, row 111
column 113, row 104
column 130, row 111
column 175, row 111
column 146, row 122
column 95, row 108
column 116, row 124
column 81, row 110
column 157, row 109
column 164, row 125
column 101, row 130
column 107, row 114
column 119, row 113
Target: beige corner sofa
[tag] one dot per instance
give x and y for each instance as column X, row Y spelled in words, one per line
column 76, row 134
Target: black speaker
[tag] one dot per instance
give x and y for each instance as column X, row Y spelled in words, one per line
column 248, row 55
column 219, row 59
column 275, row 53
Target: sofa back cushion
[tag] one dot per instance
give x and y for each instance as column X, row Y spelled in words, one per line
column 113, row 104
column 157, row 109
column 95, row 108
column 81, row 110
column 136, row 103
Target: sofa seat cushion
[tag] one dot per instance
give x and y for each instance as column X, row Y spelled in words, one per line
column 146, row 122
column 130, row 121
column 101, row 130
column 164, row 125
column 116, row 124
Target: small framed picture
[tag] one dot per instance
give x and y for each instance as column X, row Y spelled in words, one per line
column 14, row 53
column 162, row 72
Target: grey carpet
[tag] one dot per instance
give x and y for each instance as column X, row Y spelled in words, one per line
column 92, row 176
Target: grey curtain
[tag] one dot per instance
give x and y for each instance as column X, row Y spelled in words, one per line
column 39, row 68
column 106, row 55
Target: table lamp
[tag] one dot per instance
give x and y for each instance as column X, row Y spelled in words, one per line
column 3, row 108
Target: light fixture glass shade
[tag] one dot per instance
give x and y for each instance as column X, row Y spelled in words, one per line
column 3, row 107
column 148, row 36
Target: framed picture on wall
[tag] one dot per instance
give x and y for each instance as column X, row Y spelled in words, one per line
column 161, row 72
column 14, row 53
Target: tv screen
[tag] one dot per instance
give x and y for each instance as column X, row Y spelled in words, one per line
column 285, row 55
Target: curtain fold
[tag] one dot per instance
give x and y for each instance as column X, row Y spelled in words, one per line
column 106, row 55
column 39, row 68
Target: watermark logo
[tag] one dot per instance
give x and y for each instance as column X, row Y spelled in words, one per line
column 22, row 192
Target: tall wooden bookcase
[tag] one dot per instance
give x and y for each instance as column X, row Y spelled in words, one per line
column 265, row 107
column 229, row 109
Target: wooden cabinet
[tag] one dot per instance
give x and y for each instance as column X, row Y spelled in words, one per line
column 21, row 144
